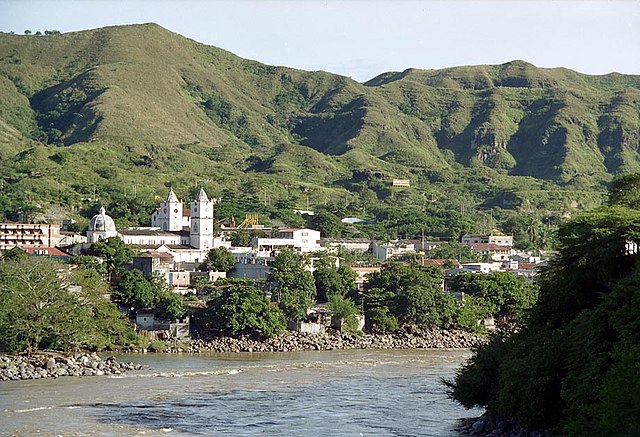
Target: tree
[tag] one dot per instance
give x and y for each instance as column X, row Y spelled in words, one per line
column 240, row 238
column 330, row 281
column 243, row 309
column 27, row 32
column 295, row 289
column 14, row 254
column 170, row 305
column 39, row 308
column 219, row 259
column 573, row 365
column 457, row 251
column 135, row 291
column 88, row 262
column 409, row 294
column 327, row 223
column 114, row 252
column 504, row 294
column 344, row 311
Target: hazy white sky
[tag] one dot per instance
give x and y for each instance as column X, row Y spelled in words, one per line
column 362, row 39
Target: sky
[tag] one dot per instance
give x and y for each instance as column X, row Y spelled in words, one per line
column 362, row 38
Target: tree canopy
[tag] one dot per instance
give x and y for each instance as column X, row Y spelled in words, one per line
column 295, row 288
column 135, row 291
column 332, row 281
column 573, row 367
column 45, row 305
column 403, row 294
column 115, row 253
column 219, row 259
column 504, row 294
column 241, row 308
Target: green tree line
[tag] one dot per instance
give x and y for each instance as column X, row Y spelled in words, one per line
column 573, row 367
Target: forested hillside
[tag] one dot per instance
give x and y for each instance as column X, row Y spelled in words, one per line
column 114, row 116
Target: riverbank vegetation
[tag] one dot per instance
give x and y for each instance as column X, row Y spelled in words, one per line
column 46, row 305
column 574, row 366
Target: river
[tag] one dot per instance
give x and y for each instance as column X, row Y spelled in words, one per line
column 329, row 393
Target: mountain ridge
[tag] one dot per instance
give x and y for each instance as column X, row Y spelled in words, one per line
column 147, row 105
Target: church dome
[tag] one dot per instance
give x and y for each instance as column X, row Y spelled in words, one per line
column 101, row 222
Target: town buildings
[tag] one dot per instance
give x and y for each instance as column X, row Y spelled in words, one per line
column 27, row 234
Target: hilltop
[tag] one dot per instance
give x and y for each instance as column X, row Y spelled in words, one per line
column 99, row 116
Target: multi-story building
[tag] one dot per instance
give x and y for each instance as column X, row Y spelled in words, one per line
column 301, row 240
column 499, row 240
column 28, row 234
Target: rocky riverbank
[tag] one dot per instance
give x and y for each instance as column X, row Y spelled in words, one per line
column 490, row 425
column 54, row 365
column 291, row 341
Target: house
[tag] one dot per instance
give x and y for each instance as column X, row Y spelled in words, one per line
column 28, row 234
column 301, row 240
column 363, row 273
column 384, row 251
column 445, row 263
column 492, row 251
column 493, row 238
column 51, row 252
column 155, row 328
column 158, row 263
column 352, row 244
column 482, row 267
column 251, row 263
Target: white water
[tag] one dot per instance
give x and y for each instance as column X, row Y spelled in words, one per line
column 331, row 393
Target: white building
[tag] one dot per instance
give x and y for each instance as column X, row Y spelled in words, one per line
column 202, row 222
column 170, row 216
column 384, row 251
column 499, row 240
column 301, row 240
column 101, row 227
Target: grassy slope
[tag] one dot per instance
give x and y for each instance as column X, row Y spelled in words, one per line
column 138, row 107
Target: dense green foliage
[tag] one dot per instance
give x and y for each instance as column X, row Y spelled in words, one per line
column 240, row 308
column 401, row 294
column 333, row 281
column 502, row 294
column 136, row 292
column 115, row 254
column 218, row 259
column 481, row 145
column 294, row 288
column 574, row 366
column 44, row 305
column 344, row 311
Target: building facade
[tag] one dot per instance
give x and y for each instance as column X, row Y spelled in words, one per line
column 28, row 234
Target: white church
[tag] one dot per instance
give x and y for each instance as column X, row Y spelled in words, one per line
column 187, row 234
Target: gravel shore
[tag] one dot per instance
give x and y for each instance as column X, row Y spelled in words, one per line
column 54, row 364
column 291, row 341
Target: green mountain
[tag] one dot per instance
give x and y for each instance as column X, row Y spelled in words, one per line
column 121, row 111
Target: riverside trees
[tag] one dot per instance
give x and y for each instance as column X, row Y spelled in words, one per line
column 402, row 294
column 573, row 367
column 295, row 289
column 44, row 305
column 241, row 308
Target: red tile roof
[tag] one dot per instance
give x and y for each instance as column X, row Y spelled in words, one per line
column 440, row 262
column 45, row 251
column 489, row 247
